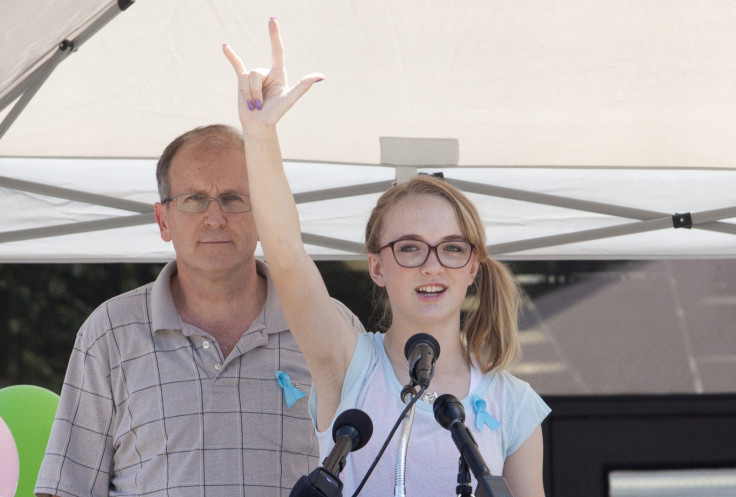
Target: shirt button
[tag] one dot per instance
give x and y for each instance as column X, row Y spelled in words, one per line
column 217, row 367
column 206, row 344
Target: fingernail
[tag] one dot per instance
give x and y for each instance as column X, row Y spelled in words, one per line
column 273, row 18
column 250, row 105
column 259, row 105
column 320, row 79
column 224, row 45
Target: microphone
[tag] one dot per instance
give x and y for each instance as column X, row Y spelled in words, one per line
column 421, row 350
column 351, row 431
column 449, row 412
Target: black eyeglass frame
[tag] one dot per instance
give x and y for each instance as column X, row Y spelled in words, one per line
column 430, row 248
column 207, row 204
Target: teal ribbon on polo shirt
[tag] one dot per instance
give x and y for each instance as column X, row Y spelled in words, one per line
column 291, row 393
column 483, row 417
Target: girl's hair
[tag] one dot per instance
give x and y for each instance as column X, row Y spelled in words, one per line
column 490, row 330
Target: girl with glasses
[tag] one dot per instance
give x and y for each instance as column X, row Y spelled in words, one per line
column 425, row 245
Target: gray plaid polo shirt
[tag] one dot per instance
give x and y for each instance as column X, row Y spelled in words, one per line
column 150, row 407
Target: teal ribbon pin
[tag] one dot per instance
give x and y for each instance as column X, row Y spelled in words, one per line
column 483, row 417
column 291, row 393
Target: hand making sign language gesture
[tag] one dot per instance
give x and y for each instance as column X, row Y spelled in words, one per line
column 267, row 90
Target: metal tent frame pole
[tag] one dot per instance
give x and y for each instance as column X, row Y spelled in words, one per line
column 647, row 220
column 27, row 85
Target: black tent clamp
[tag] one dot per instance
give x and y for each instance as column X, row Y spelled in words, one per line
column 682, row 220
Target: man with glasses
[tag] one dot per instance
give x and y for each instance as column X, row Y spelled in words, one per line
column 192, row 384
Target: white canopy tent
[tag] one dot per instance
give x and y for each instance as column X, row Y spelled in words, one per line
column 588, row 129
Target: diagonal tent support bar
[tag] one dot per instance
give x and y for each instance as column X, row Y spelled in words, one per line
column 556, row 201
column 336, row 243
column 706, row 220
column 649, row 220
column 74, row 228
column 76, row 195
column 346, row 191
column 632, row 221
column 26, row 86
column 333, row 193
column 145, row 211
column 147, row 216
column 32, row 83
column 580, row 236
column 706, row 217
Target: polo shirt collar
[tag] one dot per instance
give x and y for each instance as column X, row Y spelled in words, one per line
column 163, row 310
column 272, row 317
column 166, row 317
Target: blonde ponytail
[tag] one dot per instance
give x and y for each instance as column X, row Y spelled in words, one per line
column 491, row 330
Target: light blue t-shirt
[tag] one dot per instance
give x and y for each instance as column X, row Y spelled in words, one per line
column 432, row 458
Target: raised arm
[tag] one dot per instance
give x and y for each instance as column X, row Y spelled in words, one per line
column 325, row 337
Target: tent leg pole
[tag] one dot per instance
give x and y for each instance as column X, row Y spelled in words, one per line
column 66, row 47
column 30, row 91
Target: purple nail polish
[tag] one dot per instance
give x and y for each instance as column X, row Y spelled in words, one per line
column 259, row 105
column 273, row 18
column 250, row 105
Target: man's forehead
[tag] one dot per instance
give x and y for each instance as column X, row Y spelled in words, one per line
column 208, row 146
column 216, row 168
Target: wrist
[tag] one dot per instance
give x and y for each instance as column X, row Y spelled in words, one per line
column 259, row 132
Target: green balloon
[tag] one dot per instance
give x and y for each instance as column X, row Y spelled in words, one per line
column 29, row 413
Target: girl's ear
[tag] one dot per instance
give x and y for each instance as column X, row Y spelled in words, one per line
column 375, row 269
column 474, row 266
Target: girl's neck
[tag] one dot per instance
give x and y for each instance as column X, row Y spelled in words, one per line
column 451, row 370
column 448, row 338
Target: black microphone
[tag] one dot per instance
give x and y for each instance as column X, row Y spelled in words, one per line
column 449, row 412
column 351, row 431
column 421, row 350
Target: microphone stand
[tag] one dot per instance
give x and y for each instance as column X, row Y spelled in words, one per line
column 449, row 412
column 488, row 485
column 400, row 465
column 421, row 350
column 463, row 489
column 388, row 439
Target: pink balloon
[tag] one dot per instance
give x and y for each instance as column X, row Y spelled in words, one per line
column 9, row 464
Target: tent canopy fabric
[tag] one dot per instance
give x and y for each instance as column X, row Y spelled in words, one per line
column 581, row 130
column 102, row 210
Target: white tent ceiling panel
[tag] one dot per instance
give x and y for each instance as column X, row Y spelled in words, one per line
column 32, row 28
column 660, row 245
column 85, row 210
column 516, row 83
column 675, row 190
column 131, row 244
column 621, row 113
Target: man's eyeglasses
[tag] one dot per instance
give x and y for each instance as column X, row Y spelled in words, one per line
column 198, row 202
column 452, row 254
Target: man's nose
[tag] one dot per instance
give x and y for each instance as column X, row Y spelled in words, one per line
column 213, row 214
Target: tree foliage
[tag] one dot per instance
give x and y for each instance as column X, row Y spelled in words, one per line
column 42, row 307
